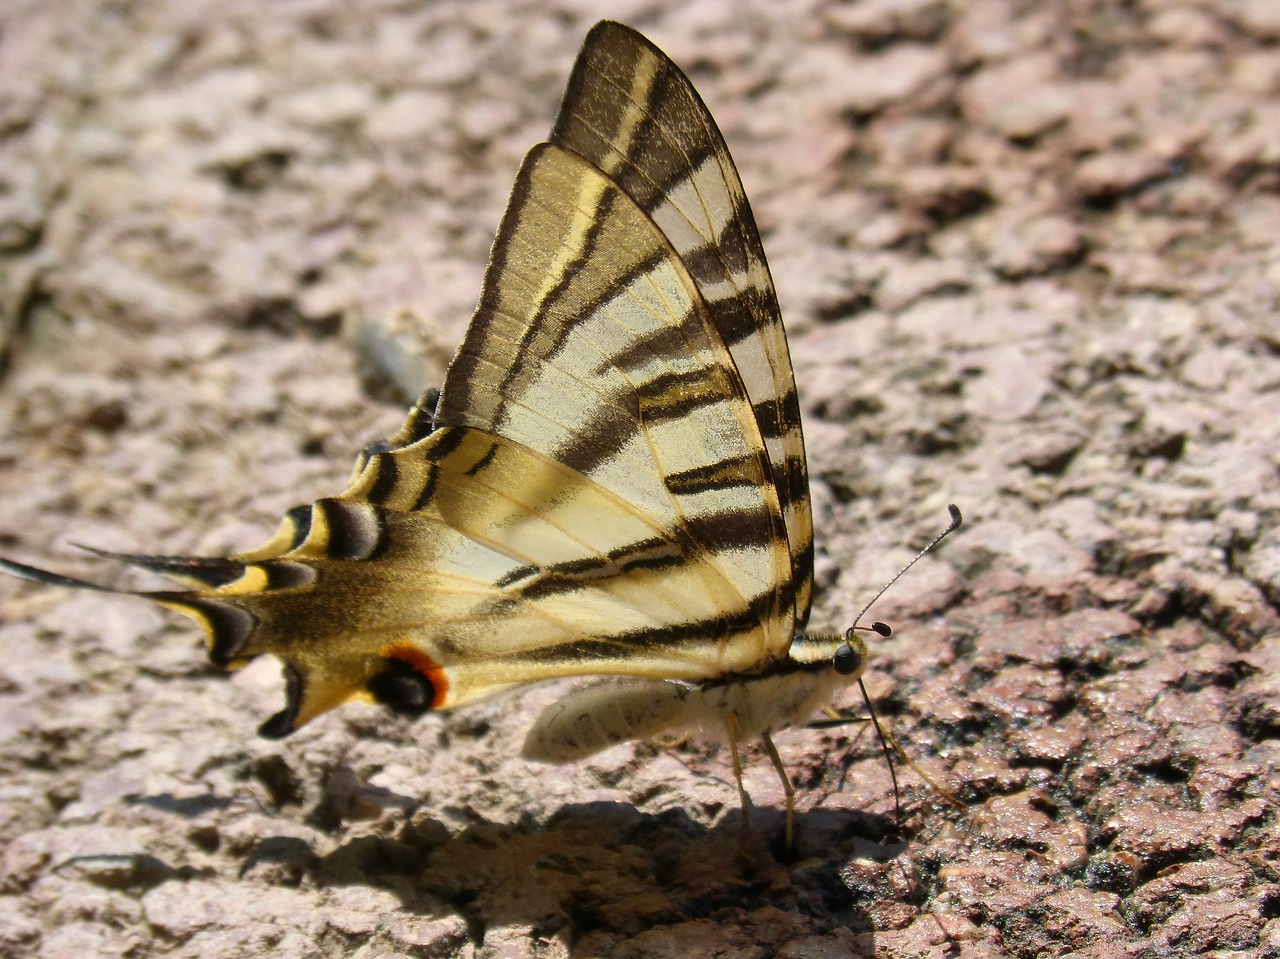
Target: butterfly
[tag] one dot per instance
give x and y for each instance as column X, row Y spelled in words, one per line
column 611, row 481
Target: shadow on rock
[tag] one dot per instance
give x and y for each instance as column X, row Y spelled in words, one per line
column 606, row 868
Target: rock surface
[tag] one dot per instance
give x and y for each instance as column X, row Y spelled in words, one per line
column 1029, row 255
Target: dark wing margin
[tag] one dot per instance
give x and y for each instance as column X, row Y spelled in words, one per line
column 631, row 112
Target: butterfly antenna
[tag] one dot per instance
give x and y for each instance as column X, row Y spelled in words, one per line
column 884, row 631
column 880, row 628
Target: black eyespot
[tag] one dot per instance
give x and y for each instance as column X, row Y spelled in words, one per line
column 402, row 689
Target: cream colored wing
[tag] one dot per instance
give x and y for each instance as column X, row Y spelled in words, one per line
column 597, row 490
column 632, row 112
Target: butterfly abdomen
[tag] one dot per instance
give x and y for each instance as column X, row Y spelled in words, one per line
column 614, row 711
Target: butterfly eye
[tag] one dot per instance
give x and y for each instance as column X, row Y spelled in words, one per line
column 847, row 661
column 402, row 689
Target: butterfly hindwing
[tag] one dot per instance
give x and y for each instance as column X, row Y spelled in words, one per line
column 483, row 563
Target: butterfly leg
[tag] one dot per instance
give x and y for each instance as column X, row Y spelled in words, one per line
column 731, row 721
column 787, row 787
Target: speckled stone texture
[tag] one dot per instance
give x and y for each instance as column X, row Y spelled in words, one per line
column 1029, row 255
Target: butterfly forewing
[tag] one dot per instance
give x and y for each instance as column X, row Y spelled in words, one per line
column 592, row 346
column 632, row 112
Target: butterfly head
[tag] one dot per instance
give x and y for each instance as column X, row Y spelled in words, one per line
column 846, row 653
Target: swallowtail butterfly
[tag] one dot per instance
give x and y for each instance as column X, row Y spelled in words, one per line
column 610, row 483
